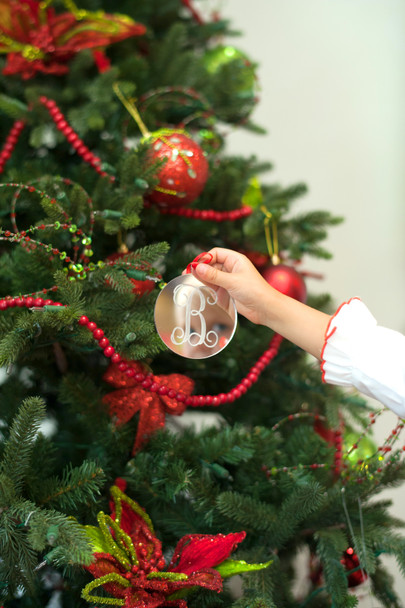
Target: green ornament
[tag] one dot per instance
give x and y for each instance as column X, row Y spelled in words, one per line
column 210, row 141
column 253, row 195
column 364, row 450
column 234, row 79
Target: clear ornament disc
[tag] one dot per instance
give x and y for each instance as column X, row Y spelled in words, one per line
column 193, row 320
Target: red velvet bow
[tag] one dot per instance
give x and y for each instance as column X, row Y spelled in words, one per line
column 152, row 407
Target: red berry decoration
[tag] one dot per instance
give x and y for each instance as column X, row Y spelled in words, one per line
column 286, row 280
column 185, row 172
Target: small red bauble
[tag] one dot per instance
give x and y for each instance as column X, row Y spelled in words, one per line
column 140, row 287
column 286, row 280
column 260, row 260
column 351, row 562
column 184, row 174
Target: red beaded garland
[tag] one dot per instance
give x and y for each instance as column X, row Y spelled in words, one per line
column 72, row 137
column 10, row 143
column 209, row 215
column 146, row 381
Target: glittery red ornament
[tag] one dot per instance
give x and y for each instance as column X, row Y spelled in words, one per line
column 152, row 406
column 185, row 172
column 286, row 280
column 352, row 562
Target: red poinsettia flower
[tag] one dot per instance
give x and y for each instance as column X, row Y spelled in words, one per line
column 129, row 563
column 152, row 406
column 36, row 39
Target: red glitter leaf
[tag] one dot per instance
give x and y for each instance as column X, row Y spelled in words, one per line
column 199, row 551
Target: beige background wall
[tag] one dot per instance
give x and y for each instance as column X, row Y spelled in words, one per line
column 333, row 101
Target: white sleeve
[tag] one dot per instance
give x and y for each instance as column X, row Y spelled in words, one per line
column 359, row 353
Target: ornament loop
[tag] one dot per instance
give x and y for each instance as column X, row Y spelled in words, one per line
column 199, row 260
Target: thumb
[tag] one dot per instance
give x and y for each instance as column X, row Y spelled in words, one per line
column 209, row 274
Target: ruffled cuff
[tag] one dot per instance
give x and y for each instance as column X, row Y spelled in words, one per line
column 359, row 353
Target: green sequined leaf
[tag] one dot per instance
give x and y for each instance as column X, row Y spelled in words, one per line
column 229, row 567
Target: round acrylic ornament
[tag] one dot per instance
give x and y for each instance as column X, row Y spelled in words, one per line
column 193, row 320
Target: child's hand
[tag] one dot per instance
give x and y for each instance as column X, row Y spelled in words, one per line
column 233, row 272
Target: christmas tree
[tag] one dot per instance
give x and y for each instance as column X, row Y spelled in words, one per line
column 115, row 177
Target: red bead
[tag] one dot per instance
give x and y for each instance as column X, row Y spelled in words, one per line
column 98, row 333
column 116, row 358
column 147, row 383
column 215, row 400
column 72, row 137
column 67, row 131
column 109, row 351
column 235, row 392
column 180, row 397
column 19, row 302
column 91, row 325
column 208, row 399
column 39, row 302
column 154, row 387
column 246, row 383
column 130, row 372
column 139, row 377
column 3, row 305
column 29, row 302
column 163, row 390
column 123, row 366
column 104, row 342
column 57, row 116
column 171, row 393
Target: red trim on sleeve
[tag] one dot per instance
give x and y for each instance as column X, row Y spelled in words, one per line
column 329, row 334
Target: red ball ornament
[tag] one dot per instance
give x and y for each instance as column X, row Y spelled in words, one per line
column 260, row 260
column 286, row 280
column 352, row 562
column 184, row 174
column 140, row 287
